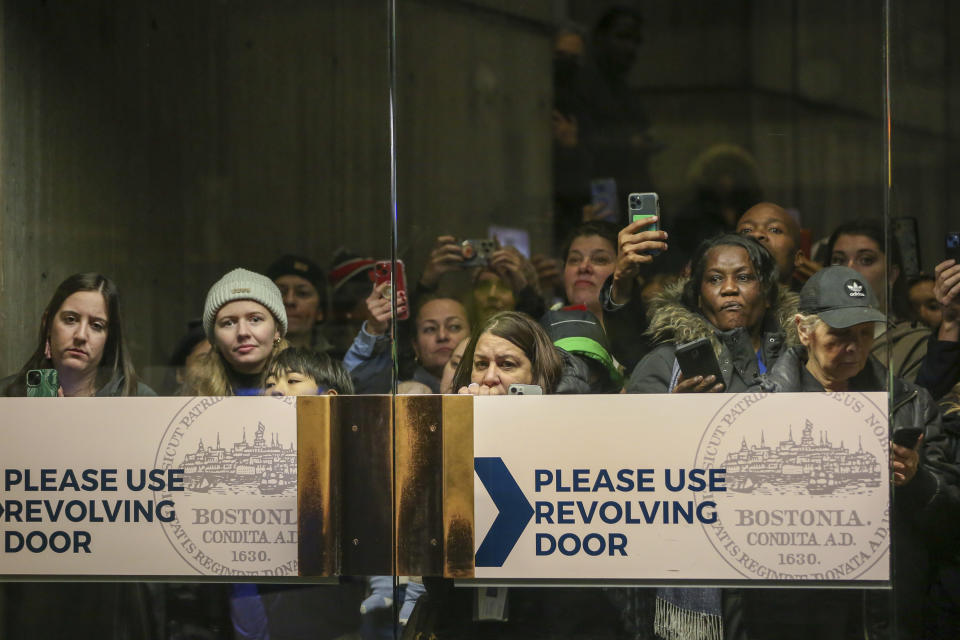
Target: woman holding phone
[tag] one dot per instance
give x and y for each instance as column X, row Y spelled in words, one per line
column 509, row 348
column 245, row 321
column 81, row 336
column 836, row 322
column 732, row 299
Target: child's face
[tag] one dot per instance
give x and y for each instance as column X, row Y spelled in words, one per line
column 290, row 383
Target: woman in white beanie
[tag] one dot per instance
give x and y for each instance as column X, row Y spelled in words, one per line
column 245, row 321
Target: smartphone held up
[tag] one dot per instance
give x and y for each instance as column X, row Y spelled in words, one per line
column 383, row 272
column 477, row 252
column 642, row 206
column 953, row 246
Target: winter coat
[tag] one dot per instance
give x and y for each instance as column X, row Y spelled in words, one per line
column 575, row 378
column 940, row 369
column 917, row 505
column 943, row 598
column 905, row 345
column 673, row 324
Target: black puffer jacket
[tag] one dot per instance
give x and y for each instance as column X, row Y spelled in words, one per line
column 575, row 378
column 917, row 506
column 673, row 324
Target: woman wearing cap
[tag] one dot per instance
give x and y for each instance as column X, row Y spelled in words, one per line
column 302, row 285
column 861, row 245
column 836, row 320
column 245, row 321
column 81, row 336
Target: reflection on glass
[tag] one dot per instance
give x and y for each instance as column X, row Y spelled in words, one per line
column 165, row 146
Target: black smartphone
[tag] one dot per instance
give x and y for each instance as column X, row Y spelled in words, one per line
column 42, row 383
column 953, row 245
column 907, row 436
column 698, row 359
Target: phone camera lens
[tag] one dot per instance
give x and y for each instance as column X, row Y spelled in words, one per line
column 33, row 378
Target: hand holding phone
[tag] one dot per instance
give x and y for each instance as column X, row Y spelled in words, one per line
column 446, row 256
column 383, row 274
column 637, row 244
column 699, row 366
column 952, row 242
column 43, row 383
column 905, row 457
column 907, row 436
column 643, row 206
column 477, row 252
column 946, row 289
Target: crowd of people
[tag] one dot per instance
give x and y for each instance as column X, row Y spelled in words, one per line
column 777, row 321
column 606, row 314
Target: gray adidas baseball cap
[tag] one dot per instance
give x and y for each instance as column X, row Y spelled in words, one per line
column 841, row 297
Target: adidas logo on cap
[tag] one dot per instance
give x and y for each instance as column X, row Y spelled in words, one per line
column 855, row 289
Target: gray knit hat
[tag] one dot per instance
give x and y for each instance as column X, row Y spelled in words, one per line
column 241, row 284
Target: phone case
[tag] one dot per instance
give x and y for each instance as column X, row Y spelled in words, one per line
column 953, row 245
column 42, row 383
column 382, row 272
column 698, row 359
column 644, row 205
column 477, row 251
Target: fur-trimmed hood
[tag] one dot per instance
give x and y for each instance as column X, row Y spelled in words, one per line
column 672, row 322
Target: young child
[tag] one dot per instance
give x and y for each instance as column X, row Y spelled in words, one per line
column 298, row 371
column 255, row 609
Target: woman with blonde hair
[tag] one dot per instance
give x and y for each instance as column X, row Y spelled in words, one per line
column 245, row 321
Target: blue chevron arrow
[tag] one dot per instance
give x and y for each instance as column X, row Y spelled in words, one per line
column 514, row 512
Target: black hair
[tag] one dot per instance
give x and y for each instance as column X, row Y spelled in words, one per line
column 194, row 336
column 872, row 229
column 325, row 371
column 606, row 230
column 762, row 260
column 890, row 247
column 115, row 362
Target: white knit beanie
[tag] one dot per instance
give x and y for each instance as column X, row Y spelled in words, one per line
column 241, row 284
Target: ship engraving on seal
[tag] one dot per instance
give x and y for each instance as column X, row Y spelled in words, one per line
column 819, row 467
column 237, row 515
column 808, row 509
column 271, row 468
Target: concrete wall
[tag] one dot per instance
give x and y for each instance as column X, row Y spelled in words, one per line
column 164, row 142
